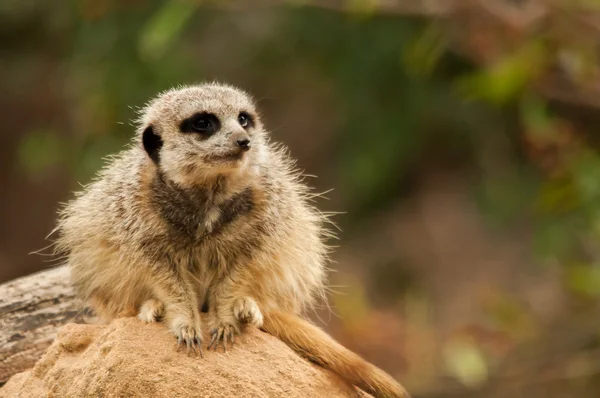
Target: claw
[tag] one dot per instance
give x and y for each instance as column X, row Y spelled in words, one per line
column 219, row 338
column 222, row 335
column 214, row 338
column 197, row 347
column 190, row 347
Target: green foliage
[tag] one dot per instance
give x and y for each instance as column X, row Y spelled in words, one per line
column 535, row 115
column 363, row 8
column 505, row 196
column 164, row 27
column 424, row 52
column 584, row 280
column 399, row 90
column 40, row 150
column 465, row 361
column 387, row 112
column 505, row 80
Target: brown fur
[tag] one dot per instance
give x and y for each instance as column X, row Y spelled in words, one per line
column 201, row 223
column 313, row 343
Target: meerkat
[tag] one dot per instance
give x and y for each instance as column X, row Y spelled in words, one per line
column 203, row 211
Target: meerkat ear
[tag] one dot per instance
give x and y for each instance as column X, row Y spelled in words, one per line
column 152, row 143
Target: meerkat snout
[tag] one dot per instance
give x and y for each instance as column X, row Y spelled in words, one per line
column 243, row 141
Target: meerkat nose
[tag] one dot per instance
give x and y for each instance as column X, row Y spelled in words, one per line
column 244, row 143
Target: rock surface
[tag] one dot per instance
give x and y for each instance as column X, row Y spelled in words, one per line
column 32, row 309
column 130, row 359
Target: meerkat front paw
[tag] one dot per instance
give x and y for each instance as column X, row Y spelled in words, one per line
column 151, row 311
column 188, row 334
column 246, row 311
column 222, row 333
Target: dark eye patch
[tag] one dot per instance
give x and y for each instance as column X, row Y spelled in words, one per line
column 203, row 123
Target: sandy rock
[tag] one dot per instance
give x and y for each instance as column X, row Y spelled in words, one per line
column 130, row 359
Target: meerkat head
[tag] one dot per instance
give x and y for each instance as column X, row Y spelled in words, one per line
column 198, row 132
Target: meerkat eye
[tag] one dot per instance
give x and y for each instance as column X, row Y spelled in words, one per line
column 245, row 120
column 203, row 123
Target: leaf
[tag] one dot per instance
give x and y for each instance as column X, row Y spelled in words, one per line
column 584, row 279
column 466, row 362
column 423, row 54
column 535, row 114
column 363, row 8
column 586, row 170
column 164, row 27
column 506, row 79
column 558, row 197
column 553, row 240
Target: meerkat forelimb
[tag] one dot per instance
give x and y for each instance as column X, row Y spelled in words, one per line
column 151, row 311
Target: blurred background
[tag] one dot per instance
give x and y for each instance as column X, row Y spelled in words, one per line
column 459, row 138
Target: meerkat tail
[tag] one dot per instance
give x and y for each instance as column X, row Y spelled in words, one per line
column 314, row 344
